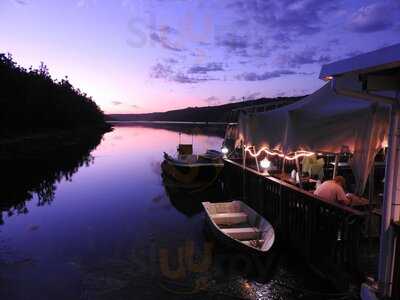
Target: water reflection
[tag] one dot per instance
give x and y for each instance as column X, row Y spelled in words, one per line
column 38, row 167
column 114, row 231
column 189, row 203
column 187, row 128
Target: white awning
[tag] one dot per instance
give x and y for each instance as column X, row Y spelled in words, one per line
column 375, row 61
column 323, row 122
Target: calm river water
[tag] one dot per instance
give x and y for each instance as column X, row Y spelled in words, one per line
column 98, row 223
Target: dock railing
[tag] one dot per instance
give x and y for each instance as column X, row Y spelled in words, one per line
column 327, row 235
column 396, row 270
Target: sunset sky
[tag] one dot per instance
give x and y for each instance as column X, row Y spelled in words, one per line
column 139, row 56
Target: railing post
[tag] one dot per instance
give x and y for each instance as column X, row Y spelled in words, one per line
column 305, row 223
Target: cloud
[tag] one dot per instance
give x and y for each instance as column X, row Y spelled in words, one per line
column 171, row 61
column 304, row 57
column 212, row 100
column 292, row 17
column 118, row 103
column 204, row 69
column 233, row 43
column 168, row 29
column 280, row 94
column 164, row 42
column 260, row 43
column 252, row 96
column 159, row 71
column 164, row 71
column 252, row 76
column 233, row 99
column 372, row 18
column 183, row 78
column 282, row 38
column 21, row 2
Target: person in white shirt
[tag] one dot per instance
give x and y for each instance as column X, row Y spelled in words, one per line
column 333, row 190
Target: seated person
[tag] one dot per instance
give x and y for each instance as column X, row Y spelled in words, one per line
column 333, row 190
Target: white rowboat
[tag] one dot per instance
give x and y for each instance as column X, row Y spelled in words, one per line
column 237, row 224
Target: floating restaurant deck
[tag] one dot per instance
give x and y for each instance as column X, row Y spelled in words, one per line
column 326, row 235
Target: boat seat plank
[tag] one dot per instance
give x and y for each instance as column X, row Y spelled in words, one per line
column 252, row 242
column 229, row 218
column 248, row 233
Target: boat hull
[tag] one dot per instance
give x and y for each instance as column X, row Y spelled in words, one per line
column 191, row 176
column 234, row 243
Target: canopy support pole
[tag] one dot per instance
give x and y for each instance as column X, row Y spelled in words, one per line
column 391, row 206
column 244, row 152
column 371, row 198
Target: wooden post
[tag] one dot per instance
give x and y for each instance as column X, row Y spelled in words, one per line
column 297, row 164
column 335, row 168
column 298, row 170
column 256, row 159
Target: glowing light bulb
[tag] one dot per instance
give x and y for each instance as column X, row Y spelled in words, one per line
column 265, row 163
column 225, row 150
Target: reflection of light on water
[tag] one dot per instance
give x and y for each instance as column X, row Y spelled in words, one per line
column 246, row 285
column 265, row 291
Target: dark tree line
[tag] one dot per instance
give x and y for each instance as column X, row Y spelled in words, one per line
column 31, row 101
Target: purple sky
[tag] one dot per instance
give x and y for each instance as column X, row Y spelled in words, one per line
column 153, row 55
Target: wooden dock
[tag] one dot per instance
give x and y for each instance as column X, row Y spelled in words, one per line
column 326, row 235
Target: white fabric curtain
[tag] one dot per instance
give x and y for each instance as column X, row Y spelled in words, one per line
column 368, row 142
column 323, row 121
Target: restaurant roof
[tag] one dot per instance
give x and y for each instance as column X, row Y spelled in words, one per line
column 375, row 61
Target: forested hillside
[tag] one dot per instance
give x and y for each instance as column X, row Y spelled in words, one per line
column 220, row 113
column 31, row 102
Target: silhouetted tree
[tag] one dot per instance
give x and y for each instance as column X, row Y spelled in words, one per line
column 32, row 101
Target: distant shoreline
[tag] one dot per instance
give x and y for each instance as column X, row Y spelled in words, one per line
column 213, row 115
column 168, row 122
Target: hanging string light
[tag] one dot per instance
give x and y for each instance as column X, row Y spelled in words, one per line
column 298, row 154
column 225, row 150
column 265, row 164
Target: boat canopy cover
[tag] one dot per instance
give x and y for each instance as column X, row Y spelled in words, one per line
column 323, row 121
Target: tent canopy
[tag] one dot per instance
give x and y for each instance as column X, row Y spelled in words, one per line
column 322, row 122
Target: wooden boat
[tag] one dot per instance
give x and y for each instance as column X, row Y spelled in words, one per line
column 236, row 224
column 192, row 171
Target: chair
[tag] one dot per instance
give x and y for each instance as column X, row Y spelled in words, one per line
column 185, row 149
